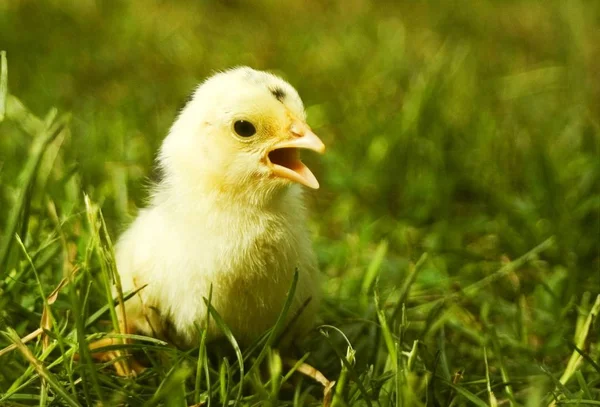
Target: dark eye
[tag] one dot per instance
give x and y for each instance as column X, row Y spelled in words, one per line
column 244, row 128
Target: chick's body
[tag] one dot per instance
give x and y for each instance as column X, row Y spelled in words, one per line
column 226, row 216
column 248, row 256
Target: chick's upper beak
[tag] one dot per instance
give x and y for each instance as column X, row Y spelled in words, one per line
column 284, row 157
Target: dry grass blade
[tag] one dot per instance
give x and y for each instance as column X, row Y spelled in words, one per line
column 54, row 294
column 45, row 323
column 24, row 339
column 46, row 320
column 316, row 375
column 309, row 371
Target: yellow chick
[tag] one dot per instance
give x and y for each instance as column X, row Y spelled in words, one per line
column 229, row 214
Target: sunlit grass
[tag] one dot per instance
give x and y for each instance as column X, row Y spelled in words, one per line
column 456, row 227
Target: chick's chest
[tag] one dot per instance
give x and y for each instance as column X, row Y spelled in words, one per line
column 250, row 269
column 251, row 251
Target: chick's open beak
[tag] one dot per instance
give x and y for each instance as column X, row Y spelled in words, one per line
column 284, row 156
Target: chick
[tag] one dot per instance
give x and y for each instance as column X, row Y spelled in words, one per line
column 228, row 214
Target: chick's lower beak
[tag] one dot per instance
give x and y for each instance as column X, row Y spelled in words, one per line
column 284, row 157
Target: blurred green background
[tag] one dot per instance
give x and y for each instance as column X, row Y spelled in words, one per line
column 468, row 130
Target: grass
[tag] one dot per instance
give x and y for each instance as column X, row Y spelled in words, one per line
column 458, row 220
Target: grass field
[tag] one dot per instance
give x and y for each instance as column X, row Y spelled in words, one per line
column 457, row 225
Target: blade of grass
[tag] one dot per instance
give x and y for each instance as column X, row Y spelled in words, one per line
column 583, row 385
column 468, row 395
column 172, row 381
column 279, row 324
column 353, row 374
column 47, row 320
column 295, row 367
column 199, row 366
column 385, row 329
column 492, row 397
column 560, row 389
column 202, row 363
column 42, row 172
column 3, row 84
column 229, row 335
column 96, row 240
column 340, row 395
column 105, row 254
column 580, row 338
column 133, row 337
column 40, row 369
column 405, row 289
column 24, row 339
column 224, row 381
column 41, row 259
column 105, row 308
column 493, row 338
column 501, row 272
column 208, row 381
column 372, row 271
column 114, row 273
column 26, row 179
column 586, row 357
column 275, row 368
column 18, row 113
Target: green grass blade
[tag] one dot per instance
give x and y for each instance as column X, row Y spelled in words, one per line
column 199, row 366
column 583, row 385
column 27, row 178
column 345, row 362
column 229, row 335
column 41, row 370
column 105, row 308
column 372, row 271
column 587, row 357
column 224, row 381
column 3, row 84
column 405, row 289
column 170, row 384
column 580, row 339
column 488, row 382
column 279, row 324
column 468, row 395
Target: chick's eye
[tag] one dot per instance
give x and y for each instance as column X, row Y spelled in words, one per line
column 244, row 128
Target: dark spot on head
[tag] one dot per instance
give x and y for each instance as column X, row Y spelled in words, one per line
column 278, row 93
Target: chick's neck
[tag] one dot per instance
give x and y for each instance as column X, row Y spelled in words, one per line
column 241, row 200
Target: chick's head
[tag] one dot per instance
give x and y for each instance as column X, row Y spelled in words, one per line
column 241, row 130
